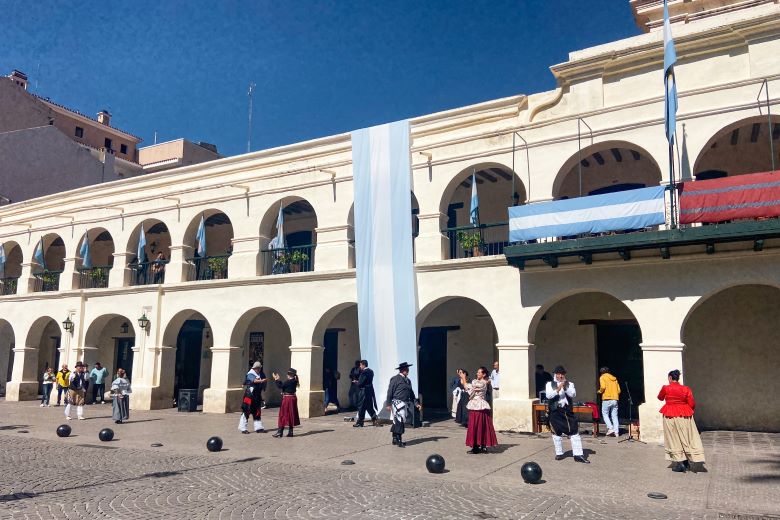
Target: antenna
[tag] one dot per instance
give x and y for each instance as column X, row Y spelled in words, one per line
column 155, row 137
column 249, row 126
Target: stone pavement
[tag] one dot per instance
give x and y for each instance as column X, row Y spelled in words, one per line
column 257, row 476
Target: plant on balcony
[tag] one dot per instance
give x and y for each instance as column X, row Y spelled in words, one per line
column 98, row 275
column 295, row 259
column 470, row 242
column 218, row 266
column 50, row 281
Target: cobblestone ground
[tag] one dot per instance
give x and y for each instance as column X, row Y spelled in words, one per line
column 257, row 476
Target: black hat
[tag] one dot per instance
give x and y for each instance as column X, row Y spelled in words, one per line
column 292, row 372
column 403, row 366
column 559, row 370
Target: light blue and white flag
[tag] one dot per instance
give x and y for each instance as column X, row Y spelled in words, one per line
column 474, row 213
column 201, row 236
column 277, row 242
column 38, row 255
column 632, row 209
column 141, row 253
column 670, row 84
column 86, row 260
column 2, row 260
column 386, row 290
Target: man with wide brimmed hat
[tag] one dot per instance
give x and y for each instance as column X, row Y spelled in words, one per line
column 560, row 398
column 78, row 382
column 252, row 402
column 400, row 395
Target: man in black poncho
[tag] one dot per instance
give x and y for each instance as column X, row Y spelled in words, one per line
column 399, row 395
column 367, row 401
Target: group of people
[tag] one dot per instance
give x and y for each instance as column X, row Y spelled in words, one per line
column 74, row 386
column 252, row 404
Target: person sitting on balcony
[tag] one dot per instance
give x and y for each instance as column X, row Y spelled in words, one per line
column 158, row 268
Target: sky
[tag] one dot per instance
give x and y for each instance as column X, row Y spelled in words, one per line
column 182, row 69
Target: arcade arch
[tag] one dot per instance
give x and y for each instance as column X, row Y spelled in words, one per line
column 149, row 268
column 351, row 230
column 188, row 334
column 110, row 339
column 300, row 237
column 338, row 333
column 44, row 337
column 11, row 269
column 218, row 246
column 7, row 343
column 101, row 259
column 47, row 275
column 739, row 148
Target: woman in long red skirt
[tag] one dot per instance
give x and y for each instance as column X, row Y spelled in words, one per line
column 480, row 434
column 288, row 413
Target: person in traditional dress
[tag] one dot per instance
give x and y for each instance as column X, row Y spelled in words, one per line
column 252, row 404
column 480, row 435
column 78, row 382
column 354, row 390
column 462, row 413
column 400, row 395
column 560, row 398
column 288, row 413
column 456, row 391
column 367, row 395
column 682, row 442
column 120, row 392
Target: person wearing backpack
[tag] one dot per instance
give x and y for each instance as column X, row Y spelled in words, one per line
column 78, row 383
column 62, row 383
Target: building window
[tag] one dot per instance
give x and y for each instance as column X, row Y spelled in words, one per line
column 79, row 132
column 123, row 148
column 107, row 143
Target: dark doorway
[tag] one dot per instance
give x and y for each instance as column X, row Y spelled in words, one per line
column 330, row 357
column 298, row 239
column 433, row 366
column 618, row 348
column 452, row 222
column 57, row 340
column 189, row 346
column 124, row 356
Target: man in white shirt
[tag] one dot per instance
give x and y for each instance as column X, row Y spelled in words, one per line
column 560, row 397
column 494, row 379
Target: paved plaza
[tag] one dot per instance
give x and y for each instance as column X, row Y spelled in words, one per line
column 257, row 476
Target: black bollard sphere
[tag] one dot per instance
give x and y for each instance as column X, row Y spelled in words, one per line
column 435, row 463
column 531, row 472
column 63, row 430
column 106, row 434
column 214, row 444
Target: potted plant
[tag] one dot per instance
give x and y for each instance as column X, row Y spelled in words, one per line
column 470, row 242
column 98, row 275
column 296, row 258
column 218, row 266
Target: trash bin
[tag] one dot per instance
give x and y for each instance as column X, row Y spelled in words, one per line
column 188, row 400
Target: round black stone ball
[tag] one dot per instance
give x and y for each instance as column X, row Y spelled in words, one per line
column 106, row 434
column 531, row 472
column 63, row 430
column 435, row 463
column 214, row 444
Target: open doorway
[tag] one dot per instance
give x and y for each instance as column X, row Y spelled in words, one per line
column 433, row 367
column 189, row 347
column 617, row 347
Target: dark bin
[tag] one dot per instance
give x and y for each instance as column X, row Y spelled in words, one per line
column 188, row 400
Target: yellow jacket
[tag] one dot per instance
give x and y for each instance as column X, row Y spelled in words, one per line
column 62, row 378
column 610, row 389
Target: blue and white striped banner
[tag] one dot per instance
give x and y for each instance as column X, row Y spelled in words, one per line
column 632, row 209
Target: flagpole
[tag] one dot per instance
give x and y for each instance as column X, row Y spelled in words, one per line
column 672, row 186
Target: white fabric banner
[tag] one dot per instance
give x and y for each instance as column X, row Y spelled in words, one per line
column 386, row 289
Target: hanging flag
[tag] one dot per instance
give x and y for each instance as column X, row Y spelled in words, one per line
column 2, row 260
column 38, row 255
column 474, row 214
column 86, row 261
column 277, row 242
column 141, row 253
column 670, row 58
column 201, row 236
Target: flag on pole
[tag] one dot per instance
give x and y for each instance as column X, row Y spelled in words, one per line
column 2, row 260
column 86, row 261
column 141, row 253
column 277, row 242
column 201, row 236
column 474, row 214
column 670, row 58
column 38, row 255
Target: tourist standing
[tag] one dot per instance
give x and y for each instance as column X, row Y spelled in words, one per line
column 49, row 378
column 494, row 380
column 252, row 404
column 120, row 392
column 542, row 378
column 462, row 413
column 480, row 435
column 560, row 398
column 399, row 395
column 455, row 390
column 63, row 376
column 98, row 377
column 354, row 389
column 609, row 389
column 78, row 383
column 288, row 413
column 330, row 384
column 367, row 395
column 682, row 442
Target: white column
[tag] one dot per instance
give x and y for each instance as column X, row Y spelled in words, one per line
column 332, row 251
column 226, row 388
column 26, row 281
column 308, row 362
column 513, row 410
column 244, row 262
column 178, row 268
column 23, row 385
column 155, row 389
column 430, row 245
column 120, row 273
column 69, row 278
column 658, row 360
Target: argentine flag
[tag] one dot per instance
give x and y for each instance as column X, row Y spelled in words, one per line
column 2, row 260
column 670, row 58
column 201, row 236
column 474, row 214
column 141, row 253
column 278, row 241
column 86, row 261
column 38, row 255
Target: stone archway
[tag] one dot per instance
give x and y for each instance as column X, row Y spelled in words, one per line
column 7, row 344
column 300, row 237
column 739, row 148
column 110, row 339
column 100, row 259
column 188, row 367
column 338, row 333
column 213, row 263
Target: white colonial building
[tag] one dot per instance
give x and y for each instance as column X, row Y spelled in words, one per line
column 703, row 299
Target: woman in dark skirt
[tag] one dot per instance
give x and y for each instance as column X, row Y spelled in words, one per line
column 288, row 413
column 480, row 435
column 462, row 414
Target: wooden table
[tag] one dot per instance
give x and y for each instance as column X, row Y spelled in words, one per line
column 538, row 408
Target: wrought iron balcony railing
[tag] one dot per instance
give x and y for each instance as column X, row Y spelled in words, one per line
column 298, row 259
column 148, row 273
column 482, row 240
column 94, row 277
column 208, row 268
column 47, row 281
column 8, row 286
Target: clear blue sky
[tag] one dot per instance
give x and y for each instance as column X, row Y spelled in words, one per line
column 321, row 68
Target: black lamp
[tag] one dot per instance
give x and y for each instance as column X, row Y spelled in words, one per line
column 124, row 328
column 144, row 322
column 67, row 324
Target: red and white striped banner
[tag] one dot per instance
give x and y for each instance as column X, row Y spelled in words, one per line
column 753, row 195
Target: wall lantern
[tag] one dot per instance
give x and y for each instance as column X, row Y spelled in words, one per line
column 207, row 331
column 68, row 325
column 144, row 322
column 124, row 328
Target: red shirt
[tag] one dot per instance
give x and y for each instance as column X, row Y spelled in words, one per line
column 679, row 400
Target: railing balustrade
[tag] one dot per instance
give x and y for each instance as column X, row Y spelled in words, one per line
column 8, row 286
column 147, row 273
column 482, row 240
column 208, row 268
column 94, row 277
column 47, row 281
column 298, row 259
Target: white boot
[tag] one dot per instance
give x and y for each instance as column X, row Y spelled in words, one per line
column 576, row 445
column 259, row 425
column 558, row 443
column 80, row 413
column 242, row 423
column 67, row 411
